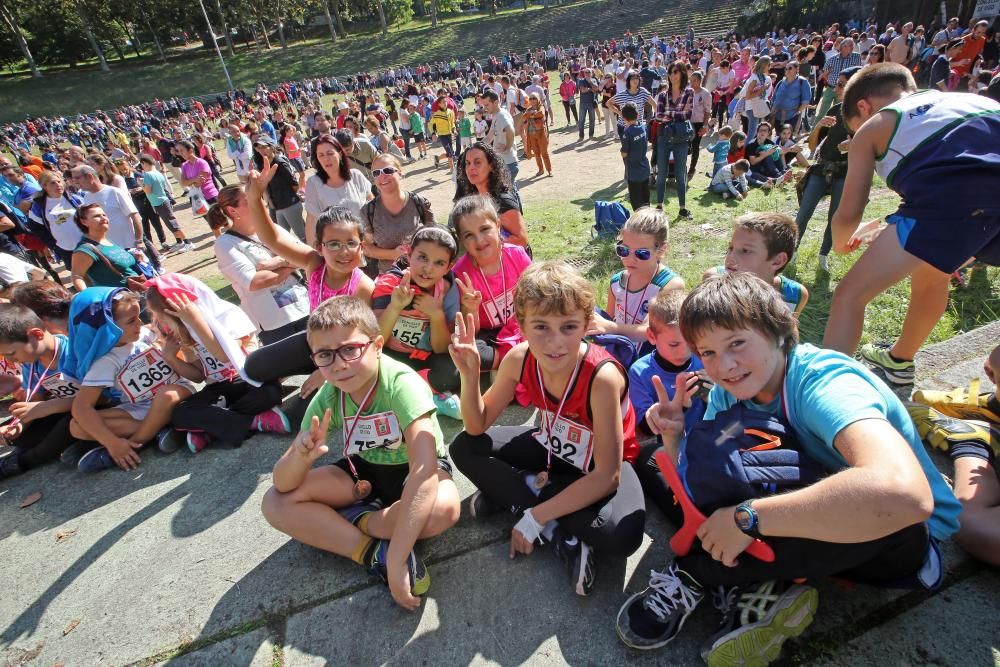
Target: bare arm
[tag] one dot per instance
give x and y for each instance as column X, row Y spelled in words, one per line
column 513, row 222
column 865, row 145
column 79, row 265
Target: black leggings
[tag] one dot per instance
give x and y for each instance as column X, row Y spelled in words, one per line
column 225, row 410
column 495, row 463
column 283, row 358
column 655, row 485
column 570, row 107
column 43, row 440
column 441, row 372
column 695, row 146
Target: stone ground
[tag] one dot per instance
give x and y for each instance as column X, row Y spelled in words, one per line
column 173, row 563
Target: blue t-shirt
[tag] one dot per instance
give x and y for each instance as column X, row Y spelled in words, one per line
column 634, row 144
column 826, row 392
column 268, row 127
column 642, row 394
column 157, row 187
column 719, row 151
column 57, row 384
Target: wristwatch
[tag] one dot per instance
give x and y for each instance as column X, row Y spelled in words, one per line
column 746, row 519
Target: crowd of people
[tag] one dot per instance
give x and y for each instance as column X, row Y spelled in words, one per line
column 804, row 461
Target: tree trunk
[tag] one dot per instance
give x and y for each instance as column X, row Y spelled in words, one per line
column 156, row 40
column 133, row 37
column 336, row 17
column 10, row 20
column 281, row 26
column 381, row 17
column 90, row 38
column 263, row 30
column 493, row 7
column 329, row 20
column 434, row 13
column 225, row 28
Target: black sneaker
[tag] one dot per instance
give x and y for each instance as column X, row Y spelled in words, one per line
column 756, row 621
column 169, row 440
column 684, row 213
column 652, row 618
column 72, row 454
column 480, row 505
column 10, row 464
column 578, row 557
column 420, row 578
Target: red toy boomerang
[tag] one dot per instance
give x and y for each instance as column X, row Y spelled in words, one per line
column 693, row 518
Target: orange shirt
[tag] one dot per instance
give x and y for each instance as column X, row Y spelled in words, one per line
column 971, row 47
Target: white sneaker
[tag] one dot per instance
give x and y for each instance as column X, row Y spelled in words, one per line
column 184, row 247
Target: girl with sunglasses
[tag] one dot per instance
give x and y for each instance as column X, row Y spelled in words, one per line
column 391, row 482
column 393, row 216
column 332, row 267
column 643, row 242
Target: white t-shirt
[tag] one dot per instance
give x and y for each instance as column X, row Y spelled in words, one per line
column 496, row 136
column 271, row 307
column 134, row 372
column 118, row 205
column 59, row 214
column 351, row 195
column 14, row 270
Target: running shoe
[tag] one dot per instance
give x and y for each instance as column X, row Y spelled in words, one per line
column 756, row 621
column 272, row 421
column 169, row 440
column 437, row 161
column 448, row 406
column 578, row 558
column 10, row 464
column 355, row 512
column 197, row 441
column 941, row 431
column 480, row 505
column 653, row 618
column 960, row 403
column 896, row 372
column 184, row 246
column 96, row 460
column 72, row 454
column 685, row 214
column 420, row 578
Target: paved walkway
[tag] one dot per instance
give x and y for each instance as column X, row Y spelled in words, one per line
column 174, row 564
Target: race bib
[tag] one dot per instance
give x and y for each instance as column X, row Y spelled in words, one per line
column 9, row 367
column 144, row 374
column 569, row 441
column 409, row 330
column 59, row 387
column 372, row 432
column 215, row 370
column 501, row 309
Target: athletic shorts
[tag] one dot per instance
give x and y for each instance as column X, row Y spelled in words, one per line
column 445, row 142
column 947, row 241
column 387, row 480
column 418, row 137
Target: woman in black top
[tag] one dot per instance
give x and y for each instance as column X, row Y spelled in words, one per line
column 482, row 171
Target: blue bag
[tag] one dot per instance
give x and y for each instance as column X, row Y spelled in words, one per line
column 743, row 454
column 620, row 347
column 609, row 217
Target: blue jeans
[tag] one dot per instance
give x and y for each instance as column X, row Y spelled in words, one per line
column 664, row 150
column 722, row 188
column 816, row 188
column 586, row 111
column 752, row 123
column 513, row 168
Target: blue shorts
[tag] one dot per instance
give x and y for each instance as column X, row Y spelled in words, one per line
column 445, row 141
column 946, row 241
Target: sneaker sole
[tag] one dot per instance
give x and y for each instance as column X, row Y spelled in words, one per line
column 580, row 585
column 759, row 644
column 422, row 584
column 623, row 613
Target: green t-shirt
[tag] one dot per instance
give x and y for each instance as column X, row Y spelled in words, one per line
column 99, row 273
column 465, row 128
column 157, row 187
column 416, row 125
column 401, row 397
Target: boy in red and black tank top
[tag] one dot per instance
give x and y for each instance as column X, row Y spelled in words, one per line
column 570, row 480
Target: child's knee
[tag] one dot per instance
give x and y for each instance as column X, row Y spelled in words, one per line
column 172, row 394
column 77, row 431
column 273, row 506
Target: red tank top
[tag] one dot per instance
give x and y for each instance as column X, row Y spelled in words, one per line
column 573, row 434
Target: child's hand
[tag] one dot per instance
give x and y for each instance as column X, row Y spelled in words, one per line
column 257, row 180
column 601, row 325
column 123, row 451
column 182, row 307
column 428, row 304
column 666, row 416
column 310, row 444
column 11, row 430
column 828, row 121
column 463, row 348
column 25, row 412
column 312, row 383
column 399, row 586
column 402, row 294
column 865, row 234
column 471, row 297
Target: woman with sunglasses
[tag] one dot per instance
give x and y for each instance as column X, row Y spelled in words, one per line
column 390, row 219
column 674, row 107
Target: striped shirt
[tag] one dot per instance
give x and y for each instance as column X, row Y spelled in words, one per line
column 838, row 63
column 639, row 99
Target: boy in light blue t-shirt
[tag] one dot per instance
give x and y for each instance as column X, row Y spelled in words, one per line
column 875, row 518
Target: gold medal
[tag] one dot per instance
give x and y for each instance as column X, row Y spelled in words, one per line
column 362, row 489
column 541, row 479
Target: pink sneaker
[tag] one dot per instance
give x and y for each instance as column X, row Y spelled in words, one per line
column 272, row 421
column 197, row 441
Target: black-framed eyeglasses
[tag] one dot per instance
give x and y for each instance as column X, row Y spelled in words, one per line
column 641, row 254
column 350, row 352
column 388, row 171
column 337, row 246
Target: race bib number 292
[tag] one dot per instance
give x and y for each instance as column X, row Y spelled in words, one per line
column 569, row 441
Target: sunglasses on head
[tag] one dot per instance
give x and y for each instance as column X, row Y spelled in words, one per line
column 388, row 171
column 641, row 254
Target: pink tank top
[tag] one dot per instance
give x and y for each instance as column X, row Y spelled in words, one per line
column 319, row 292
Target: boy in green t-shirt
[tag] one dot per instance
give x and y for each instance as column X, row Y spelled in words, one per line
column 464, row 130
column 393, row 484
column 417, row 129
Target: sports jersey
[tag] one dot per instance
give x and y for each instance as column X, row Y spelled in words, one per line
column 943, row 143
column 412, row 331
column 400, row 397
column 632, row 307
column 824, row 392
column 642, row 393
column 133, row 373
column 497, row 306
column 54, row 383
column 572, row 434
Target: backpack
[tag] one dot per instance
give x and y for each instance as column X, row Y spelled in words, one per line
column 609, row 217
column 620, row 347
column 742, row 454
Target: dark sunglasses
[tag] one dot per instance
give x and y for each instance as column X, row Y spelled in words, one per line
column 388, row 171
column 641, row 254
